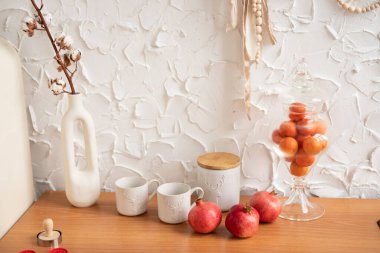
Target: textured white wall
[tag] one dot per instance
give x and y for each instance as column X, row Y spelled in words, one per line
column 163, row 81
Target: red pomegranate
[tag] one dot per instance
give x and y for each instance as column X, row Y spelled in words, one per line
column 267, row 205
column 205, row 217
column 242, row 221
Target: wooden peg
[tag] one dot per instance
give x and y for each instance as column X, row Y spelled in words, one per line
column 49, row 237
column 48, row 227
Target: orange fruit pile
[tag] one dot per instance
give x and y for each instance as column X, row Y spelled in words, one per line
column 300, row 139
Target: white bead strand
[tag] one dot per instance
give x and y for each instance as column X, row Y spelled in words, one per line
column 259, row 27
column 354, row 9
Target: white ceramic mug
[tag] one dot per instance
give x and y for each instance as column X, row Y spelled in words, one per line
column 174, row 201
column 132, row 195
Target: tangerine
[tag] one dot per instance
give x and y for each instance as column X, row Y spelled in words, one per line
column 302, row 159
column 297, row 111
column 306, row 127
column 288, row 129
column 289, row 146
column 300, row 138
column 312, row 145
column 298, row 171
column 321, row 127
column 323, row 140
column 276, row 137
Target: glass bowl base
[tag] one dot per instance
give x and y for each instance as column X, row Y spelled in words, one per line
column 296, row 212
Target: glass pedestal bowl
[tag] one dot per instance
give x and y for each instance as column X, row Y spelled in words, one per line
column 299, row 141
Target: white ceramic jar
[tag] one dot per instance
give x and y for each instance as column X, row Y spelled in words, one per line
column 219, row 176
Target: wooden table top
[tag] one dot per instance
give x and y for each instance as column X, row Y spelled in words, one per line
column 349, row 225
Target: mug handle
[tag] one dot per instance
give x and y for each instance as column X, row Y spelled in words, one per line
column 155, row 191
column 200, row 195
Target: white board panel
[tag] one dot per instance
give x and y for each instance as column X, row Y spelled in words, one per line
column 16, row 180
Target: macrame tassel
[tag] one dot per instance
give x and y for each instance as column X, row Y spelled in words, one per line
column 267, row 25
column 255, row 16
column 234, row 13
column 248, row 39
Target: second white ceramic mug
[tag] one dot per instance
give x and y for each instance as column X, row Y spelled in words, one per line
column 174, row 201
column 132, row 195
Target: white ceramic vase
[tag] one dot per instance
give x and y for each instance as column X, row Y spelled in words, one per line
column 82, row 186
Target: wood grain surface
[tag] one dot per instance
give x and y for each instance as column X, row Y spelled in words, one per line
column 349, row 225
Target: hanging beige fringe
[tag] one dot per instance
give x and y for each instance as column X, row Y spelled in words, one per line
column 255, row 17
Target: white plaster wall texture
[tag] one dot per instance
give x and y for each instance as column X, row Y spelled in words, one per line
column 163, row 80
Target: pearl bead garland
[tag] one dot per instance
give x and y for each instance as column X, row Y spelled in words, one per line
column 257, row 9
column 353, row 9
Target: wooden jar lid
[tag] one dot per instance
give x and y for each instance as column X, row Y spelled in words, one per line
column 218, row 161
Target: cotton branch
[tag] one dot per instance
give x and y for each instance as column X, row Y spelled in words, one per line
column 57, row 55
